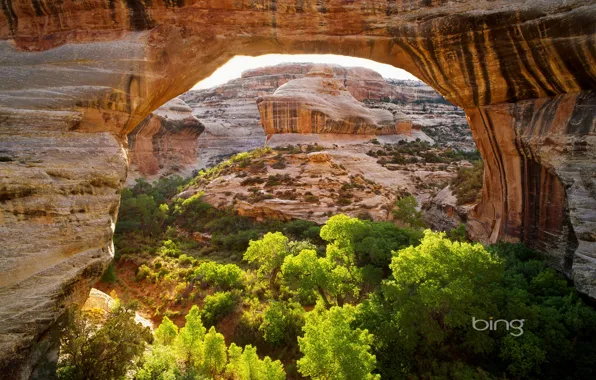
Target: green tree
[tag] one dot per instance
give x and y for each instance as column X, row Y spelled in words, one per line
column 422, row 318
column 166, row 333
column 268, row 254
column 214, row 353
column 405, row 211
column 333, row 349
column 246, row 365
column 217, row 306
column 94, row 347
column 335, row 275
column 282, row 323
column 190, row 338
column 306, row 273
column 159, row 363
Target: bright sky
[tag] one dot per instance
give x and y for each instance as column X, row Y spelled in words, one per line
column 235, row 66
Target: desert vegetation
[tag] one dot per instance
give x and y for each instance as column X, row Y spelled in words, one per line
column 349, row 299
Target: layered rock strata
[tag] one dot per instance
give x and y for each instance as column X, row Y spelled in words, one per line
column 165, row 142
column 76, row 77
column 233, row 123
column 318, row 104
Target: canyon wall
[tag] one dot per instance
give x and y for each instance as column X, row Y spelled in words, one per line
column 165, row 142
column 77, row 76
column 233, row 124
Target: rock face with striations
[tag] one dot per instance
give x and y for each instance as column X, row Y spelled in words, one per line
column 233, row 123
column 76, row 78
column 319, row 104
column 165, row 142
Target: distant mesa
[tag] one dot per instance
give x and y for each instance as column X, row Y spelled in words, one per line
column 320, row 103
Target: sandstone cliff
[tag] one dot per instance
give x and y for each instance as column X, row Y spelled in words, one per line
column 76, row 78
column 232, row 120
column 319, row 103
column 165, row 142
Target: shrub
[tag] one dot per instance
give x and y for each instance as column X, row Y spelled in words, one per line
column 85, row 345
column 217, row 306
column 405, row 212
column 282, row 323
column 279, row 164
column 468, row 182
column 343, row 201
column 311, row 198
column 170, row 248
column 109, row 276
column 235, row 242
column 222, row 276
column 143, row 272
column 252, row 181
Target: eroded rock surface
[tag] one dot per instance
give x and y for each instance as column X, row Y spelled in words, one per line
column 233, row 123
column 76, row 78
column 165, row 142
column 319, row 103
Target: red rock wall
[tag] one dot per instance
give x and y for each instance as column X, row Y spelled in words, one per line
column 165, row 142
column 79, row 75
column 539, row 178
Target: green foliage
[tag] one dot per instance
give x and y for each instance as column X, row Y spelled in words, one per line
column 246, row 365
column 140, row 212
column 414, row 300
column 222, row 276
column 94, row 347
column 268, row 254
column 190, row 339
column 109, row 276
column 459, row 233
column 166, row 333
column 405, row 211
column 214, row 353
column 333, row 349
column 282, row 323
column 159, row 363
column 370, row 242
column 194, row 354
column 169, row 248
column 217, row 306
column 468, row 182
column 421, row 319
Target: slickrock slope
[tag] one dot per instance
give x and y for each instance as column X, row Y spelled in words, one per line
column 303, row 182
column 319, row 103
column 76, row 78
column 165, row 142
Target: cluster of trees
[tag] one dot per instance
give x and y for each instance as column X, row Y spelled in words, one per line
column 352, row 299
column 419, row 151
column 413, row 321
column 195, row 353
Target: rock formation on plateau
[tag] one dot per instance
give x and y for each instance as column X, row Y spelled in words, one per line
column 319, row 103
column 78, row 76
column 233, row 123
column 165, row 142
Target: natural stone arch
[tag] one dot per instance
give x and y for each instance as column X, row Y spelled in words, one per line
column 77, row 76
